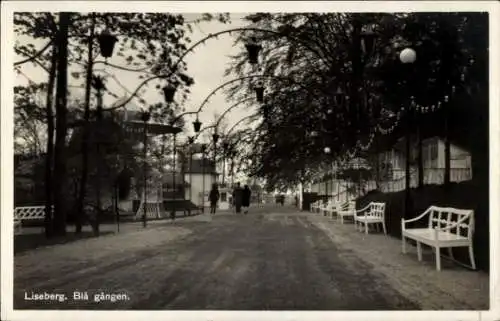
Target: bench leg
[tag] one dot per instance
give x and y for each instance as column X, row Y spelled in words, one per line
column 419, row 251
column 366, row 227
column 471, row 256
column 403, row 244
column 450, row 253
column 383, row 227
column 341, row 219
column 438, row 258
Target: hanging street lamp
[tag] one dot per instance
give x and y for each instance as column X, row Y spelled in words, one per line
column 215, row 138
column 253, row 49
column 169, row 93
column 106, row 43
column 327, row 150
column 408, row 56
column 197, row 125
column 368, row 40
column 259, row 91
column 339, row 97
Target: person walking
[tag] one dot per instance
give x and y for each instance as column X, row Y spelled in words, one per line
column 214, row 198
column 237, row 197
column 247, row 193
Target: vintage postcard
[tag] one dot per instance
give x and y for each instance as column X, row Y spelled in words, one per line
column 250, row 160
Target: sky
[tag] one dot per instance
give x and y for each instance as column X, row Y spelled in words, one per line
column 206, row 65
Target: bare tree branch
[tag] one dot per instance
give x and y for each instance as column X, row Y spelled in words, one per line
column 30, row 58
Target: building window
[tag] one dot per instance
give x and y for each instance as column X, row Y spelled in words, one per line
column 433, row 151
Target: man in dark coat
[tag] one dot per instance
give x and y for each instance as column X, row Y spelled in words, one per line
column 214, row 198
column 237, row 197
column 246, row 198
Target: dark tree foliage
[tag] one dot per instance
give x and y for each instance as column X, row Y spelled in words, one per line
column 307, row 58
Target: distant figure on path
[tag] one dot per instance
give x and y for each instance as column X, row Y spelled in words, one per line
column 214, row 198
column 282, row 199
column 246, row 198
column 238, row 197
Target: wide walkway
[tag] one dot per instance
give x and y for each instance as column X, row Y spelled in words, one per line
column 271, row 259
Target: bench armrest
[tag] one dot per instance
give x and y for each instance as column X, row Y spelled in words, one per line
column 367, row 207
column 416, row 218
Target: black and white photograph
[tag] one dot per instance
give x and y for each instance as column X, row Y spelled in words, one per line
column 281, row 158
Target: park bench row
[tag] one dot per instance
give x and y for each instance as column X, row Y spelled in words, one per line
column 446, row 227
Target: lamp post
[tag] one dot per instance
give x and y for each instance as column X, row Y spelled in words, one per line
column 172, row 214
column 225, row 146
column 191, row 141
column 215, row 137
column 408, row 57
column 145, row 118
column 327, row 151
column 203, row 149
column 98, row 85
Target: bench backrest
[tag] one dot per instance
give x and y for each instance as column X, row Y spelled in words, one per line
column 377, row 209
column 348, row 206
column 444, row 216
column 29, row 212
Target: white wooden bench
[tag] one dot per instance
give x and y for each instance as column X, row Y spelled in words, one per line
column 346, row 209
column 373, row 213
column 314, row 206
column 153, row 210
column 27, row 213
column 317, row 205
column 447, row 228
column 333, row 208
column 325, row 207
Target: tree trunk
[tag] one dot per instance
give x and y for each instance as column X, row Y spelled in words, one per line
column 357, row 79
column 49, row 158
column 61, row 127
column 85, row 136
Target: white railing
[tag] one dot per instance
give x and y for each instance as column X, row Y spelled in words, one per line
column 431, row 176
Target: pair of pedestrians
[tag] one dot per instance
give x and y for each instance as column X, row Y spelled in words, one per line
column 241, row 198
